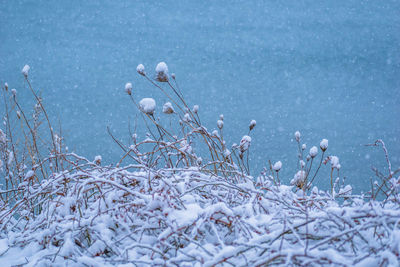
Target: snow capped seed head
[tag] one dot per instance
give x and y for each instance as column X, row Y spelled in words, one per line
column 147, row 105
column 128, row 88
column 277, row 166
column 97, row 159
column 303, row 146
column 308, row 157
column 220, row 124
column 6, row 86
column 245, row 143
column 167, row 108
column 25, row 70
column 227, row 153
column 215, row 133
column 324, row 145
column 18, row 114
column 162, row 72
column 173, row 76
column 299, row 179
column 252, row 124
column 186, row 117
column 199, row 161
column 221, row 117
column 302, row 163
column 313, row 151
column 196, row 108
column 297, row 135
column 140, row 70
column 14, row 92
column 334, row 162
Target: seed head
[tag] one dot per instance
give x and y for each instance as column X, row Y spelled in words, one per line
column 252, row 124
column 297, row 135
column 140, row 70
column 128, row 88
column 324, row 145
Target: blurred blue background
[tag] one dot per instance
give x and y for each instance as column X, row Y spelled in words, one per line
column 330, row 69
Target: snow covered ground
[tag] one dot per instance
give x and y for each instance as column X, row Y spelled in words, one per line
column 327, row 69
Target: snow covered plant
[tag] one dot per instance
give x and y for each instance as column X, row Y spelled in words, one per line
column 169, row 203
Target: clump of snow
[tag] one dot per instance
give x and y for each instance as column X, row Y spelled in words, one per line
column 245, row 143
column 313, row 152
column 29, row 174
column 299, row 179
column 25, row 70
column 186, row 117
column 277, row 166
column 347, row 190
column 323, row 145
column 128, row 88
column 147, row 105
column 14, row 92
column 168, row 108
column 302, row 163
column 162, row 72
column 297, row 136
column 196, row 108
column 303, row 147
column 140, row 69
column 221, row 117
column 98, row 159
column 334, row 162
column 252, row 124
column 227, row 153
column 220, row 124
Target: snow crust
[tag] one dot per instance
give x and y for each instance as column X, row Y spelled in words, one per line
column 217, row 220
